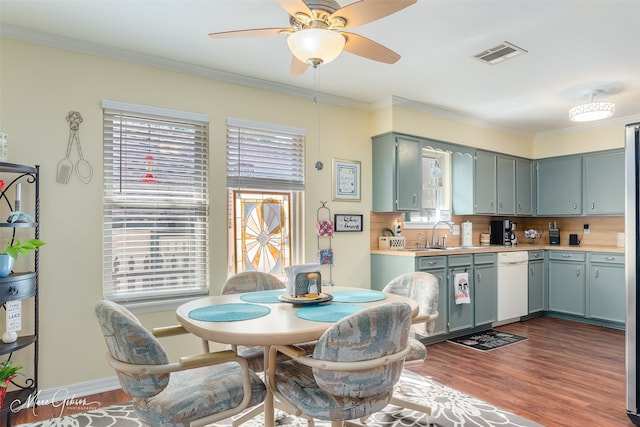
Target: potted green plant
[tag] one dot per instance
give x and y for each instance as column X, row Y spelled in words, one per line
column 11, row 251
column 8, row 371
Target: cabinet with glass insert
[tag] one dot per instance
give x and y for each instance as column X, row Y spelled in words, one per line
column 19, row 289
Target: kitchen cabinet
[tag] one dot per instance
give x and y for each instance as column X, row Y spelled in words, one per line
column 396, row 178
column 463, row 171
column 437, row 265
column 486, row 282
column 384, row 268
column 559, row 185
column 607, row 292
column 524, row 187
column 506, row 185
column 22, row 287
column 604, row 183
column 460, row 316
column 536, row 281
column 485, row 183
column 567, row 282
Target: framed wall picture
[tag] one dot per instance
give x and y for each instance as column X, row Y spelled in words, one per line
column 344, row 222
column 346, row 180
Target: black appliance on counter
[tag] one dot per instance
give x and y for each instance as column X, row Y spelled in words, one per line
column 502, row 233
column 554, row 233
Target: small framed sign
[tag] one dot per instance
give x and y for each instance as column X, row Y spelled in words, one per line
column 343, row 222
column 346, row 180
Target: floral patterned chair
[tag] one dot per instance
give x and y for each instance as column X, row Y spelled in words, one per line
column 353, row 370
column 424, row 289
column 251, row 281
column 195, row 391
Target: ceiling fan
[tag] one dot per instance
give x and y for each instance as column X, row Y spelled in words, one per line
column 316, row 34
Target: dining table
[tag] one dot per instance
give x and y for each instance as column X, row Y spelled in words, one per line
column 267, row 318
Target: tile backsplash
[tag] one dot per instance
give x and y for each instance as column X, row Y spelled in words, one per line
column 603, row 229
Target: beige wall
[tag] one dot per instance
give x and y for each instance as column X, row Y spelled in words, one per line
column 39, row 86
column 580, row 141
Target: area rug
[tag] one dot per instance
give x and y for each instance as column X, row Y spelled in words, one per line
column 450, row 408
column 487, row 340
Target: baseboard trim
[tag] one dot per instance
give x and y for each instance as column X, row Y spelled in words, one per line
column 74, row 391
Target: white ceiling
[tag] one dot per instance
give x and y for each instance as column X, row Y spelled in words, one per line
column 573, row 46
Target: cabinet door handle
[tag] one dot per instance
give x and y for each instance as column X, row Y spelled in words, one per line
column 578, row 272
column 479, row 277
column 415, row 198
column 575, row 205
column 593, row 204
column 610, row 258
column 492, row 203
column 500, row 204
column 519, row 206
column 566, row 255
column 532, row 270
column 597, row 273
column 431, row 262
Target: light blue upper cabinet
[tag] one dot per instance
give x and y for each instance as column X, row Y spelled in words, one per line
column 462, row 166
column 485, row 183
column 524, row 187
column 559, row 185
column 604, row 183
column 396, row 173
column 506, row 185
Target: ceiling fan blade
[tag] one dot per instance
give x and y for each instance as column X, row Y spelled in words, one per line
column 298, row 67
column 294, row 6
column 256, row 32
column 362, row 46
column 365, row 11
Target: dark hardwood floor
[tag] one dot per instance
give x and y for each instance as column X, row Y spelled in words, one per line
column 565, row 374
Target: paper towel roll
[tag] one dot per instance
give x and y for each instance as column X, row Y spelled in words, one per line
column 467, row 233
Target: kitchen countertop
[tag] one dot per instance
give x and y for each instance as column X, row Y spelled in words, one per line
column 493, row 248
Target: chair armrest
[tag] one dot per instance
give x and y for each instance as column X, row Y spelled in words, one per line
column 337, row 366
column 186, row 362
column 421, row 318
column 167, row 331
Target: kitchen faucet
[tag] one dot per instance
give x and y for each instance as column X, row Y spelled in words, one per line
column 433, row 235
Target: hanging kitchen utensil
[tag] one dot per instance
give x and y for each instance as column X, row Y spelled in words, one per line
column 65, row 166
column 84, row 170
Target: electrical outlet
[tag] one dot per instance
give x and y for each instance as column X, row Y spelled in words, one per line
column 587, row 230
column 455, row 229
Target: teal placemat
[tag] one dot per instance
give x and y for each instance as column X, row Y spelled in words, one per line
column 327, row 312
column 364, row 295
column 229, row 312
column 263, row 297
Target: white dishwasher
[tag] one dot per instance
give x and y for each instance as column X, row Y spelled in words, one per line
column 513, row 289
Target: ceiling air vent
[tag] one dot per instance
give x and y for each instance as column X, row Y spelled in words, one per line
column 499, row 53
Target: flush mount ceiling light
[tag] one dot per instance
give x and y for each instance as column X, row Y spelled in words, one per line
column 592, row 110
column 316, row 46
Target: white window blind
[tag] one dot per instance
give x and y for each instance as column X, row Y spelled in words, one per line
column 155, row 203
column 263, row 156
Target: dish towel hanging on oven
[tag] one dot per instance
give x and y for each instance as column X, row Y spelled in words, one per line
column 461, row 288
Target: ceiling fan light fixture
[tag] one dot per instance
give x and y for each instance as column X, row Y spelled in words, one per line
column 592, row 110
column 316, row 46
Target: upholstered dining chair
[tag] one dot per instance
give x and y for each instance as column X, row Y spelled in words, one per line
column 423, row 288
column 352, row 371
column 195, row 391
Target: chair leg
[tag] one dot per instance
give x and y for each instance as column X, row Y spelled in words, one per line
column 246, row 416
column 410, row 405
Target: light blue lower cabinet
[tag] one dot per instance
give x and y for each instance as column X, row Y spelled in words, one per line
column 461, row 316
column 437, row 265
column 536, row 281
column 486, row 287
column 607, row 292
column 567, row 283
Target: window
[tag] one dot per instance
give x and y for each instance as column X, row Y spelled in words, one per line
column 265, row 181
column 436, row 187
column 155, row 203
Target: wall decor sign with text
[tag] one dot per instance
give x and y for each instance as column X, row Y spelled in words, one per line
column 345, row 222
column 346, row 180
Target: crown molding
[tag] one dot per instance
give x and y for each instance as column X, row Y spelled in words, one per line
column 622, row 121
column 103, row 51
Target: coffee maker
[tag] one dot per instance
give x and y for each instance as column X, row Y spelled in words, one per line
column 502, row 232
